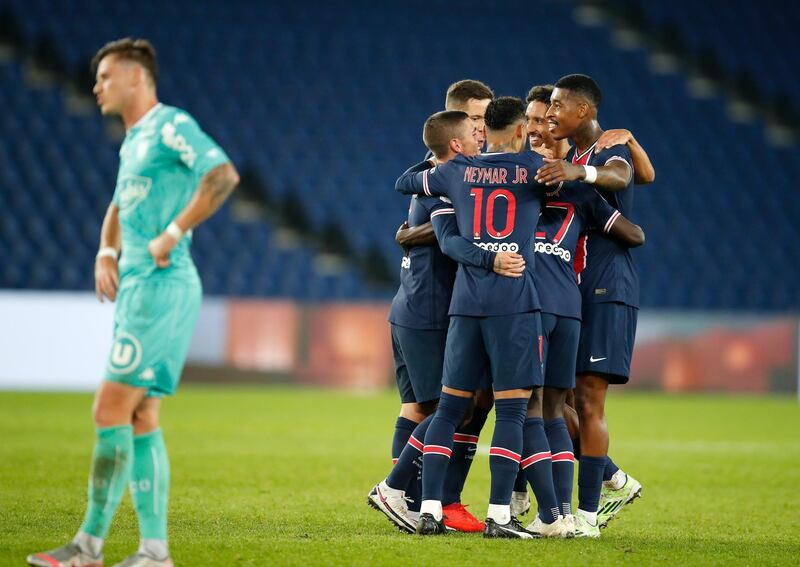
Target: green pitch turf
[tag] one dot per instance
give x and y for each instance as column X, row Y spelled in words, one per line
column 280, row 477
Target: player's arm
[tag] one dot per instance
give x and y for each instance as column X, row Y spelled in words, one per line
column 422, row 235
column 643, row 170
column 419, row 179
column 509, row 264
column 106, row 271
column 612, row 221
column 214, row 188
column 626, row 232
column 613, row 176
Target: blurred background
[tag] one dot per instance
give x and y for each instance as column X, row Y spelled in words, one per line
column 321, row 104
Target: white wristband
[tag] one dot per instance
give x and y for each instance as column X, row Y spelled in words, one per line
column 590, row 173
column 174, row 231
column 107, row 251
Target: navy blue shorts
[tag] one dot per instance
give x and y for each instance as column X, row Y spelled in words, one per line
column 418, row 359
column 608, row 331
column 560, row 350
column 508, row 346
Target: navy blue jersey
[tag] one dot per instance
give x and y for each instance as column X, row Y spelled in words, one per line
column 566, row 213
column 605, row 267
column 426, row 276
column 497, row 203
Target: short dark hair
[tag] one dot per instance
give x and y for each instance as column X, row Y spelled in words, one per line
column 504, row 111
column 442, row 127
column 461, row 91
column 139, row 50
column 582, row 84
column 540, row 93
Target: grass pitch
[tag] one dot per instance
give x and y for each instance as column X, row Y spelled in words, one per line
column 280, row 477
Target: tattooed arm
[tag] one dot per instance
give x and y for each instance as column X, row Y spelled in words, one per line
column 214, row 188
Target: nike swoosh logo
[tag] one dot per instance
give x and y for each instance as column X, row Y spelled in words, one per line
column 593, row 359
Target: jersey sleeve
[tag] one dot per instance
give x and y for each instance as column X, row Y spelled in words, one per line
column 619, row 152
column 452, row 243
column 419, row 180
column 597, row 210
column 195, row 149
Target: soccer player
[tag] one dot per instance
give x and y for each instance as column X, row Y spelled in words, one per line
column 419, row 319
column 472, row 97
column 172, row 177
column 494, row 321
column 542, row 141
column 608, row 281
column 418, row 316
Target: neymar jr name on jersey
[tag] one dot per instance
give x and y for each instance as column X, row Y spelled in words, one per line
column 494, row 175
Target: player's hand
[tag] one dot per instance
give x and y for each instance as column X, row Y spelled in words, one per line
column 160, row 247
column 509, row 264
column 399, row 236
column 618, row 137
column 106, row 278
column 558, row 170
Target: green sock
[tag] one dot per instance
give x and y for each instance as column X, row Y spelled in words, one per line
column 150, row 484
column 111, row 469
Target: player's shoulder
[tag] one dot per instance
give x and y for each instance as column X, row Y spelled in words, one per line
column 175, row 116
column 618, row 152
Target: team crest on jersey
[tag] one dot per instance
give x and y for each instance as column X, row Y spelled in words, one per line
column 126, row 354
column 133, row 189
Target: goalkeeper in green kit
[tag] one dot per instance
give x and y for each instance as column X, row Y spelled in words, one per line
column 172, row 177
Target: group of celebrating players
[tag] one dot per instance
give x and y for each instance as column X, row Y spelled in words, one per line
column 518, row 291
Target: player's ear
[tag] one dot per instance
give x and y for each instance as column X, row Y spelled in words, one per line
column 583, row 109
column 136, row 74
column 519, row 132
column 455, row 146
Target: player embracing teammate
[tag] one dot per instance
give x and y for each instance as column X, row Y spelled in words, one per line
column 607, row 301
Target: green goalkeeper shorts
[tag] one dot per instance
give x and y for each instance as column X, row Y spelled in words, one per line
column 153, row 325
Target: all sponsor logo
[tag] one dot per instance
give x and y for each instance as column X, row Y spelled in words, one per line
column 498, row 246
column 553, row 250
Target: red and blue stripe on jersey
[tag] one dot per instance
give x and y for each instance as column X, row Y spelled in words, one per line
column 604, row 266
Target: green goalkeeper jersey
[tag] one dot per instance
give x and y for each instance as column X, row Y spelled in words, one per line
column 161, row 161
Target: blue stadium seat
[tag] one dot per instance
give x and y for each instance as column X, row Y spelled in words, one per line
column 326, row 101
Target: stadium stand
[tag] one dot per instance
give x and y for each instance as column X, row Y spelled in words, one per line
column 324, row 104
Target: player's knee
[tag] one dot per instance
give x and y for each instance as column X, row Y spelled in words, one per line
column 145, row 420
column 484, row 399
column 587, row 406
column 108, row 415
column 553, row 401
column 535, row 403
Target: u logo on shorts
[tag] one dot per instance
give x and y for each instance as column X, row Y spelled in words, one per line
column 126, row 354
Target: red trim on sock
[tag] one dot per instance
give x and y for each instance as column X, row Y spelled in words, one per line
column 564, row 456
column 502, row 452
column 464, row 438
column 535, row 458
column 437, row 450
